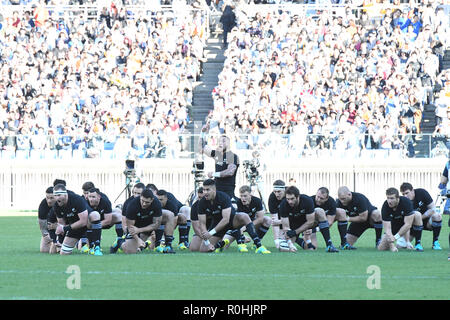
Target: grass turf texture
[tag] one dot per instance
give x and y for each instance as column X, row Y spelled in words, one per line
column 27, row 274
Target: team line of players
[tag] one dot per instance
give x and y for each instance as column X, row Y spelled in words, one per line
column 147, row 220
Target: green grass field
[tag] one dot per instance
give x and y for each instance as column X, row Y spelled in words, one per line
column 27, row 274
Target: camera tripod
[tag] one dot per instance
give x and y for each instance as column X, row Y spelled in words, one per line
column 193, row 195
column 256, row 184
column 130, row 180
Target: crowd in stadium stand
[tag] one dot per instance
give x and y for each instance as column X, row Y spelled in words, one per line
column 348, row 80
column 351, row 82
column 72, row 84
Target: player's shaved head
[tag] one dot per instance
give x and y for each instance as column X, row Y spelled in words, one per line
column 343, row 191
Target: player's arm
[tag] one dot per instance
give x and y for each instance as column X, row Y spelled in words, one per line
column 61, row 224
column 197, row 227
column 132, row 229
column 407, row 224
column 222, row 223
column 202, row 226
column 387, row 227
column 285, row 223
column 43, row 226
column 430, row 211
column 275, row 220
column 82, row 222
column 152, row 227
column 361, row 217
column 228, row 172
column 107, row 219
column 202, row 145
column 307, row 225
column 107, row 214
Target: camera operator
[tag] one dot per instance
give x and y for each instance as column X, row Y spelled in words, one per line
column 253, row 175
column 226, row 163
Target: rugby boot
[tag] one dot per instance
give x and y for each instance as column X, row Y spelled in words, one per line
column 436, row 246
column 331, row 248
column 262, row 250
column 98, row 251
column 168, row 249
column 347, row 246
column 85, row 248
column 242, row 248
column 116, row 245
column 225, row 243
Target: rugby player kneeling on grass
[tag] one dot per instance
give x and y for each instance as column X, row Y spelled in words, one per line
column 143, row 216
column 398, row 217
column 72, row 215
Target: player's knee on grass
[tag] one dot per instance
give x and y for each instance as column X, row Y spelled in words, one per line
column 53, row 248
column 195, row 244
column 130, row 246
column 45, row 244
column 386, row 243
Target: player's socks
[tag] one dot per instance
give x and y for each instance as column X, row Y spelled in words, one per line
column 236, row 233
column 119, row 230
column 95, row 233
column 417, row 233
column 168, row 244
column 342, row 228
column 188, row 226
column 84, row 241
column 182, row 232
column 252, row 232
column 436, row 226
column 219, row 244
column 325, row 230
column 300, row 242
column 378, row 225
column 158, row 235
column 262, row 231
column 168, row 240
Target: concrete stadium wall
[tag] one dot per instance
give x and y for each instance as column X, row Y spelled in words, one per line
column 23, row 184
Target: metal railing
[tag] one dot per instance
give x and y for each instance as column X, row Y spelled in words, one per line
column 271, row 145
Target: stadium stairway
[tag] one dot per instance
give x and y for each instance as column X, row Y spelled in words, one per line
column 202, row 100
column 422, row 146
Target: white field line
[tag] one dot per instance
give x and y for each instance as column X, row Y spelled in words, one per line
column 231, row 275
